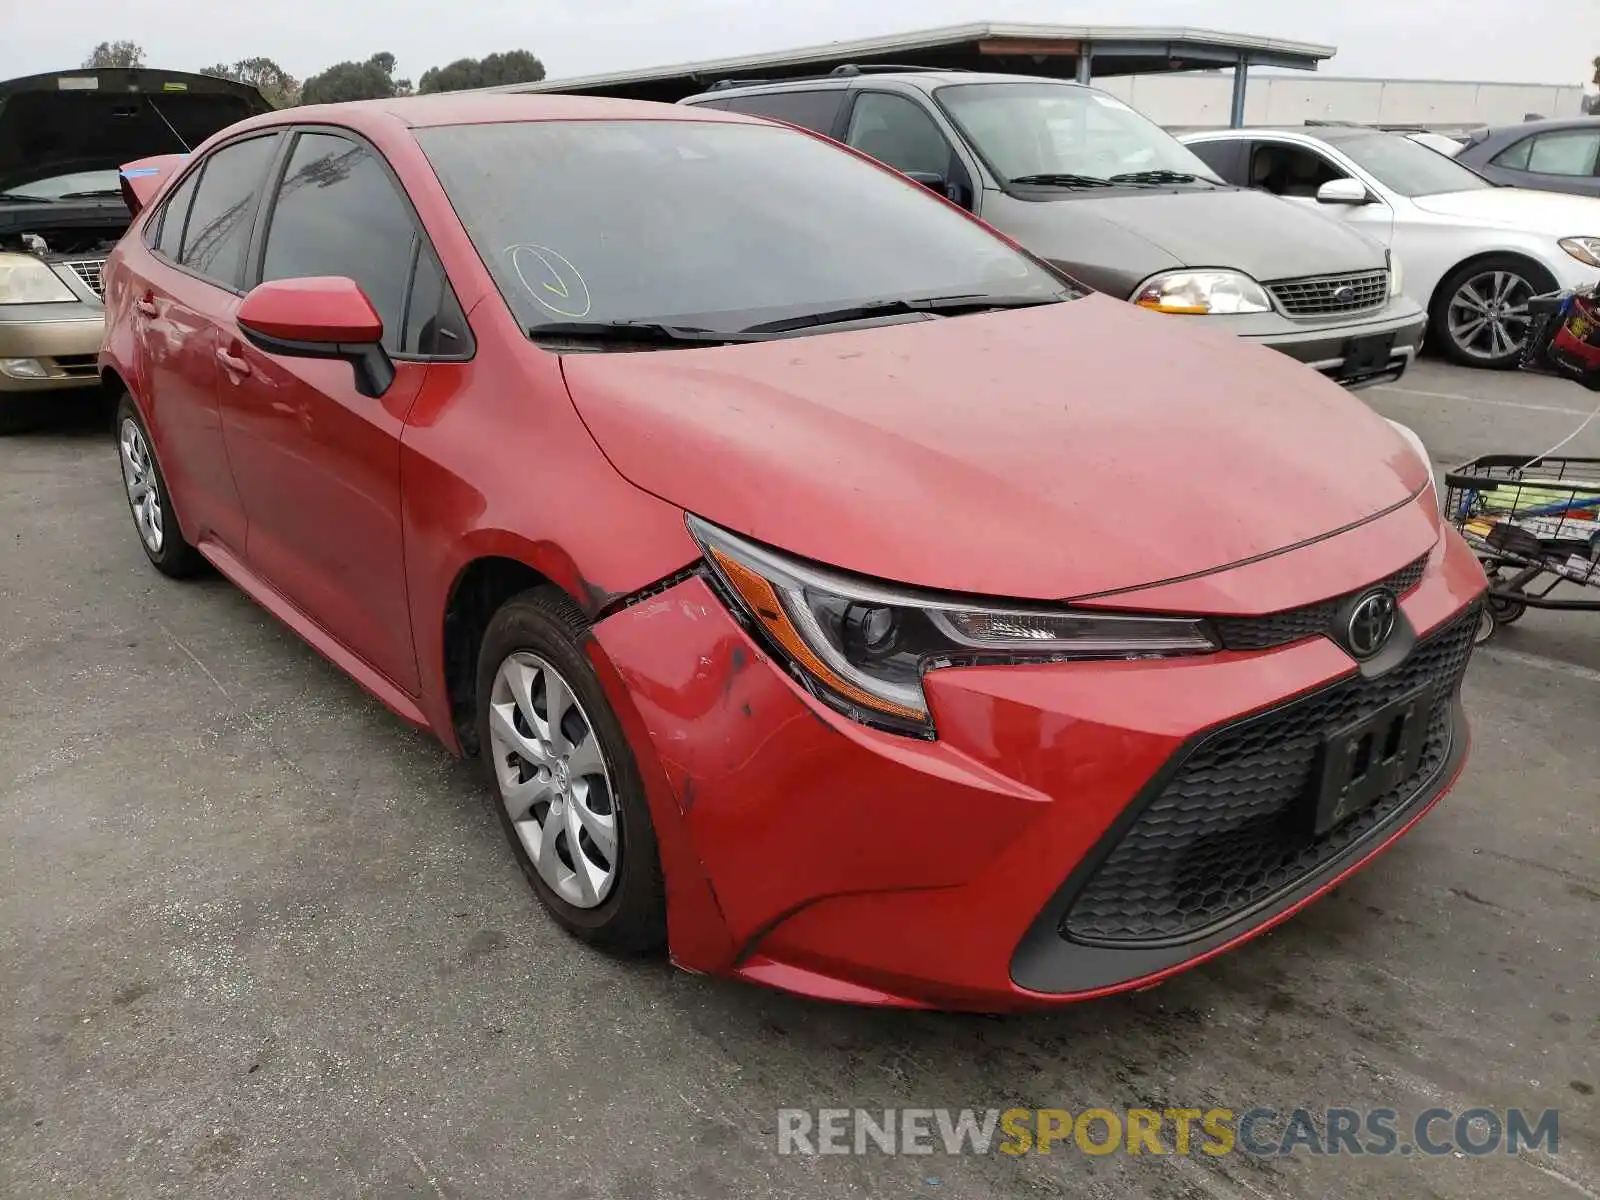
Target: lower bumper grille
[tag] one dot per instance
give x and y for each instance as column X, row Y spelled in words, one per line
column 1230, row 829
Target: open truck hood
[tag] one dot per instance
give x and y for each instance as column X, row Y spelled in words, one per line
column 1044, row 453
column 98, row 119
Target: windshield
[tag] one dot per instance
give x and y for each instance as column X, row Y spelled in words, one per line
column 1039, row 129
column 78, row 183
column 707, row 224
column 1403, row 166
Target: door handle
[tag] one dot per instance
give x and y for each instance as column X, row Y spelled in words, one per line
column 232, row 363
column 147, row 307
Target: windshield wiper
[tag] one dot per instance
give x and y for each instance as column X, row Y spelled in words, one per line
column 1160, row 176
column 1053, row 179
column 636, row 332
column 27, row 199
column 943, row 305
column 117, row 192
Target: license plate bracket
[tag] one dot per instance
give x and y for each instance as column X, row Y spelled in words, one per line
column 1366, row 356
column 1366, row 759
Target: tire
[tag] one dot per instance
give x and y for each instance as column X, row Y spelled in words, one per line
column 1503, row 283
column 167, row 549
column 1506, row 612
column 533, row 638
column 1487, row 626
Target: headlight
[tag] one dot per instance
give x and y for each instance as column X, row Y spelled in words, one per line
column 1421, row 452
column 26, row 280
column 1397, row 275
column 1212, row 293
column 863, row 647
column 1585, row 249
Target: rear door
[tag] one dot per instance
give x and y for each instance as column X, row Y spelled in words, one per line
column 1561, row 160
column 189, row 288
column 317, row 463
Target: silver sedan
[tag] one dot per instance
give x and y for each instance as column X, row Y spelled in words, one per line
column 1473, row 252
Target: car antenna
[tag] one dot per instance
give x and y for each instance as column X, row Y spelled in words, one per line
column 187, row 149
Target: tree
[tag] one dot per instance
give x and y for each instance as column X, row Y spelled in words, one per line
column 281, row 89
column 116, row 54
column 370, row 80
column 514, row 66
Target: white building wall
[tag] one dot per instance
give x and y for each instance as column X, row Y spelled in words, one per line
column 1202, row 100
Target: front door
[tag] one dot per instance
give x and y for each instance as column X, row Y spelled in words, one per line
column 1296, row 173
column 317, row 463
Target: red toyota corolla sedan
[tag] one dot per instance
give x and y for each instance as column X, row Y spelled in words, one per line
column 830, row 591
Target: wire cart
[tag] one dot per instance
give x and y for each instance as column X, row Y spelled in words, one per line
column 1534, row 520
column 1534, row 524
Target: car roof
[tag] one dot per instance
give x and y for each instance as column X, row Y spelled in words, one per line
column 1332, row 134
column 483, row 108
column 1545, row 126
column 925, row 81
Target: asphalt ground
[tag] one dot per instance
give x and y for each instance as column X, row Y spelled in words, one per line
column 257, row 938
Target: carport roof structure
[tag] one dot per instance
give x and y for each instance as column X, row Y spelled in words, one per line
column 1064, row 51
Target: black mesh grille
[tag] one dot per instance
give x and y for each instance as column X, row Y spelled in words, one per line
column 1232, row 827
column 1329, row 294
column 1281, row 628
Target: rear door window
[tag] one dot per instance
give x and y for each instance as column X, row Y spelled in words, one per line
column 224, row 210
column 814, row 108
column 174, row 214
column 1570, row 153
column 1226, row 158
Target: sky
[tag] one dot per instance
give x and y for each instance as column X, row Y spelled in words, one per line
column 1519, row 41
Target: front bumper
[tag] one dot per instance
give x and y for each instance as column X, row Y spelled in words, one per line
column 1345, row 352
column 60, row 341
column 807, row 852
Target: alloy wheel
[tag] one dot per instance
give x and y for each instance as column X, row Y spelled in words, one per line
column 139, row 477
column 554, row 780
column 1488, row 317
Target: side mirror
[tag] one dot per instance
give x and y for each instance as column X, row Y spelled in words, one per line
column 320, row 317
column 1343, row 191
column 954, row 192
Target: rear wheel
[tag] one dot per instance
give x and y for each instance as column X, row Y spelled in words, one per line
column 1480, row 313
column 148, row 498
column 571, row 802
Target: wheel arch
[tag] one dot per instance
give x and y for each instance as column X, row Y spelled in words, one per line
column 480, row 588
column 1473, row 260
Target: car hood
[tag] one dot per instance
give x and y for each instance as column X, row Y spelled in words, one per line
column 90, row 119
column 1259, row 234
column 1052, row 452
column 1520, row 208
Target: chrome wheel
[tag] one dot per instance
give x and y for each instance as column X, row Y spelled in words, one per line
column 554, row 779
column 139, row 477
column 1488, row 316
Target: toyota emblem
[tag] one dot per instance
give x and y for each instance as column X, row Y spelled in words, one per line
column 1371, row 622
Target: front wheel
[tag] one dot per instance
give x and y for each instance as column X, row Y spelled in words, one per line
column 571, row 801
column 1480, row 312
